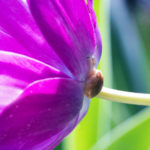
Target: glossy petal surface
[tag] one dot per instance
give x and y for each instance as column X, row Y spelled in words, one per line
column 84, row 109
column 98, row 49
column 17, row 71
column 8, row 43
column 90, row 3
column 68, row 23
column 21, row 31
column 44, row 110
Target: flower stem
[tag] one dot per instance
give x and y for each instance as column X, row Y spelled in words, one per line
column 124, row 97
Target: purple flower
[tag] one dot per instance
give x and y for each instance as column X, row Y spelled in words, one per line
column 48, row 53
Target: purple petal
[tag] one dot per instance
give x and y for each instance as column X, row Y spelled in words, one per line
column 68, row 23
column 72, row 124
column 84, row 109
column 8, row 43
column 58, row 137
column 45, row 112
column 98, row 49
column 90, row 3
column 17, row 71
column 21, row 29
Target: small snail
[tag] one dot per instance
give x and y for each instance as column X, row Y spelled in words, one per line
column 94, row 81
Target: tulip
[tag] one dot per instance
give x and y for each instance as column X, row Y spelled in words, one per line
column 49, row 50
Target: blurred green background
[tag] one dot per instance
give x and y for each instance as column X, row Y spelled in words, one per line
column 125, row 63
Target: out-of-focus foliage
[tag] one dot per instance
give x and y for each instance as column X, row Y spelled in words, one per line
column 132, row 134
column 125, row 63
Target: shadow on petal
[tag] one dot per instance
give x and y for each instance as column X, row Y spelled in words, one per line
column 45, row 109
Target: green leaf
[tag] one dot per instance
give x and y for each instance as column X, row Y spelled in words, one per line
column 133, row 134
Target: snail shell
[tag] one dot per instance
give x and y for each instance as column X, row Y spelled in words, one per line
column 93, row 84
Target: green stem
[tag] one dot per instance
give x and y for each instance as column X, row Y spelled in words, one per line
column 124, row 97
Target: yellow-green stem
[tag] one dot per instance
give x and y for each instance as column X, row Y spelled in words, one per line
column 124, row 97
